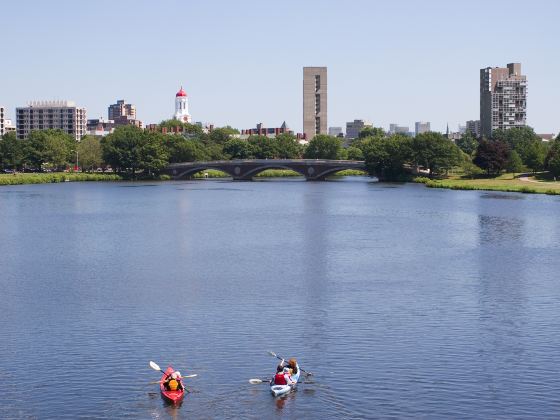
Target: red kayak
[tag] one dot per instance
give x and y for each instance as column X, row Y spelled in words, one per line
column 174, row 397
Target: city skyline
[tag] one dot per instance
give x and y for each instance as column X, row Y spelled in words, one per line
column 376, row 72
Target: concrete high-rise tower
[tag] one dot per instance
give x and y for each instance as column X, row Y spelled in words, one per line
column 182, row 107
column 314, row 101
column 503, row 98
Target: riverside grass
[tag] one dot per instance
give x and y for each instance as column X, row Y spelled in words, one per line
column 503, row 183
column 47, row 178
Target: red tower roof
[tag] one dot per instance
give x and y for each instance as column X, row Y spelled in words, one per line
column 181, row 92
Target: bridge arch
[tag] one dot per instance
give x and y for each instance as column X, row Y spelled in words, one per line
column 191, row 171
column 255, row 171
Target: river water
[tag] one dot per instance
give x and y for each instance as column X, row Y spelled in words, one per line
column 405, row 302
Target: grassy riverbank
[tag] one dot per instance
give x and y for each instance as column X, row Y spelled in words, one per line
column 47, row 178
column 500, row 183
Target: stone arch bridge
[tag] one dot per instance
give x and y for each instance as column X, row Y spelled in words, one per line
column 245, row 170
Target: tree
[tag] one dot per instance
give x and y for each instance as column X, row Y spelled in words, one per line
column 263, row 147
column 130, row 149
column 535, row 155
column 552, row 161
column 323, row 146
column 355, row 153
column 11, row 151
column 221, row 135
column 467, row 143
column 287, row 146
column 492, row 156
column 181, row 149
column 514, row 163
column 371, row 132
column 53, row 148
column 90, row 154
column 435, row 152
column 238, row 149
column 470, row 169
column 385, row 157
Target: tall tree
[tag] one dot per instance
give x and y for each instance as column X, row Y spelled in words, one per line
column 263, row 147
column 90, row 154
column 435, row 152
column 11, row 151
column 386, row 157
column 467, row 143
column 371, row 132
column 287, row 146
column 323, row 146
column 492, row 156
column 130, row 149
column 552, row 161
column 238, row 149
column 514, row 163
column 53, row 148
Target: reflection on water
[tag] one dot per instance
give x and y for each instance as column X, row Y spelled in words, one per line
column 405, row 302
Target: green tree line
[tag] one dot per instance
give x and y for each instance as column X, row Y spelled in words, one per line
column 131, row 150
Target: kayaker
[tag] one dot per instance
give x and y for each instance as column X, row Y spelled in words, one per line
column 173, row 382
column 283, row 377
column 292, row 364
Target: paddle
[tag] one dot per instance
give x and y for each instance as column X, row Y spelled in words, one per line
column 255, row 381
column 155, row 366
column 281, row 358
column 182, row 377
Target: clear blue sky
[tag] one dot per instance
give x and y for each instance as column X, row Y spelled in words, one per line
column 241, row 61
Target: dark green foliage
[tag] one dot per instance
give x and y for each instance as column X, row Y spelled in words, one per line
column 130, row 149
column 435, row 152
column 323, row 146
column 11, row 151
column 514, row 163
column 238, row 149
column 526, row 143
column 385, row 157
column 90, row 153
column 287, row 147
column 371, row 132
column 467, row 144
column 552, row 162
column 354, row 153
column 181, row 149
column 263, row 147
column 492, row 156
column 53, row 148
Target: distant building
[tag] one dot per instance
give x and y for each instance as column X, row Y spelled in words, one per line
column 314, row 101
column 43, row 115
column 9, row 126
column 100, row 127
column 122, row 113
column 121, row 109
column 503, row 98
column 353, row 128
column 182, row 107
column 547, row 137
column 2, row 121
column 421, row 127
column 335, row 131
column 261, row 130
column 473, row 127
column 399, row 129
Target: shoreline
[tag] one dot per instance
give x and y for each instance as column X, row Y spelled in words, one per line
column 505, row 183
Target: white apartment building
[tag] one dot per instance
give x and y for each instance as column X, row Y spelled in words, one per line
column 43, row 115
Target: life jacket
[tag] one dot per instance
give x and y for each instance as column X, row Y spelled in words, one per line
column 173, row 385
column 280, row 379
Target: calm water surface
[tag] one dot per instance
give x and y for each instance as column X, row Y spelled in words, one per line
column 405, row 302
